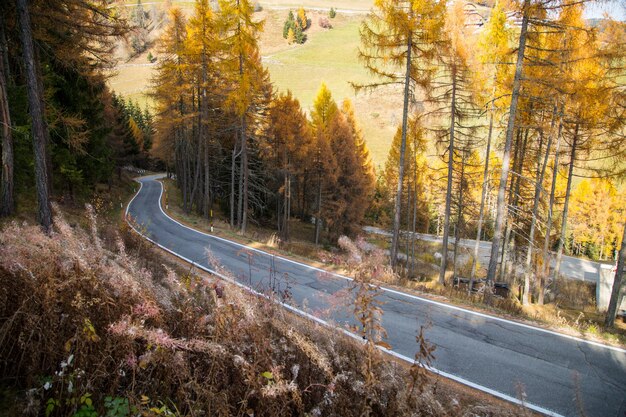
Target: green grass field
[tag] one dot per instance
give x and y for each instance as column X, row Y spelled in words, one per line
column 331, row 57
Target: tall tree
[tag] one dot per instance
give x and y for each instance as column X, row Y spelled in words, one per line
column 7, row 202
column 403, row 35
column 501, row 211
column 39, row 129
column 324, row 112
column 243, row 67
column 454, row 101
column 494, row 45
column 290, row 140
column 354, row 184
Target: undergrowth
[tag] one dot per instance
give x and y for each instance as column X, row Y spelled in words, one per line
column 93, row 322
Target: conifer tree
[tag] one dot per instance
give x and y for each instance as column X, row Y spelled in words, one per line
column 291, row 37
column 501, row 211
column 618, row 283
column 355, row 177
column 291, row 141
column 249, row 95
column 493, row 48
column 324, row 112
column 7, row 199
column 455, row 103
column 403, row 35
column 40, row 131
column 170, row 91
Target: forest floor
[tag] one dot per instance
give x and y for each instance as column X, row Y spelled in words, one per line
column 576, row 317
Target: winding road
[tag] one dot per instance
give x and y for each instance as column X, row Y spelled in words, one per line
column 492, row 354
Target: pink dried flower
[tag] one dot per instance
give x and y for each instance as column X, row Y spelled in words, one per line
column 146, row 309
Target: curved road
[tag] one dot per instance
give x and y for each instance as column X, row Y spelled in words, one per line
column 489, row 353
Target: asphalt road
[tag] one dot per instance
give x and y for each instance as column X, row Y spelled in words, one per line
column 571, row 267
column 489, row 353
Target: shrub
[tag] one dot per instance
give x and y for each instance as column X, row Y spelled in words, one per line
column 99, row 326
column 325, row 23
column 332, row 13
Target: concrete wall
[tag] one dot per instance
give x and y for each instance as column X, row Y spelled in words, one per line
column 604, row 288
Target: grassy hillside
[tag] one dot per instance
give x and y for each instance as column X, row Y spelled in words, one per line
column 328, row 56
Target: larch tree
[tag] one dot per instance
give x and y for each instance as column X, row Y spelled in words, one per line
column 290, row 144
column 618, row 282
column 354, row 182
column 324, row 112
column 585, row 108
column 40, row 133
column 493, row 49
column 454, row 102
column 7, row 198
column 401, row 35
column 414, row 187
column 248, row 95
column 501, row 211
column 171, row 94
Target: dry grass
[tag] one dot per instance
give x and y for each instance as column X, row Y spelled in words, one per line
column 93, row 319
column 300, row 247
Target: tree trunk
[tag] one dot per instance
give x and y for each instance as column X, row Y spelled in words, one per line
column 7, row 203
column 617, row 283
column 446, row 219
column 245, row 174
column 185, row 174
column 405, row 115
column 568, row 190
column 204, row 134
column 412, row 265
column 459, row 220
column 546, row 241
column 541, row 172
column 233, row 168
column 481, row 212
column 501, row 211
column 198, row 154
column 409, row 200
column 39, row 126
column 318, row 216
